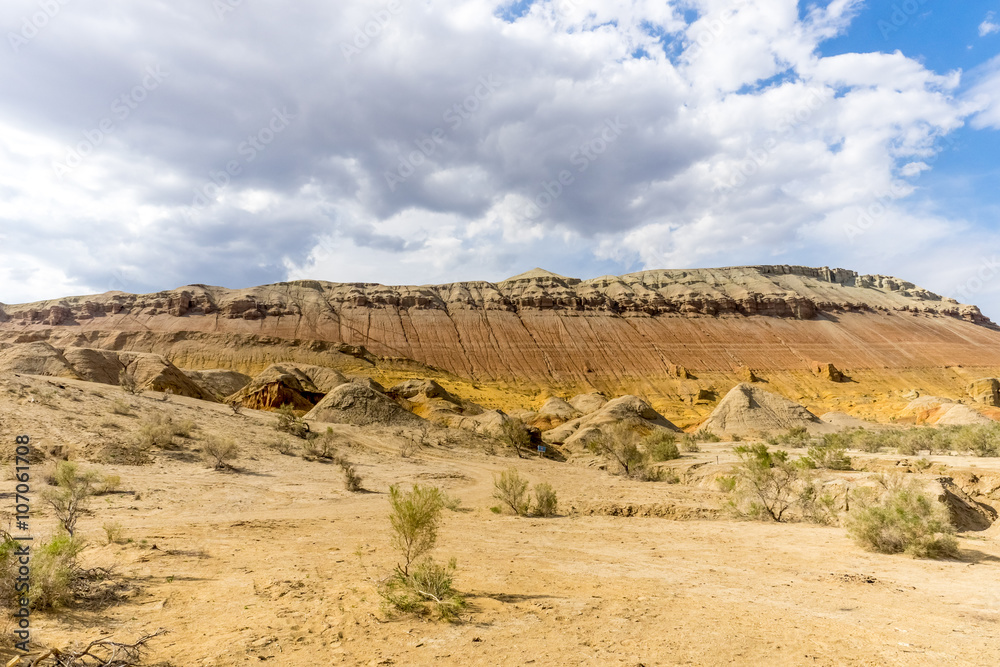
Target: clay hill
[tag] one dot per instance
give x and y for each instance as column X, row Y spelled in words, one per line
column 680, row 340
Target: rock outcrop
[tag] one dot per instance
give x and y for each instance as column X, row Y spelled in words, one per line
column 986, row 391
column 301, row 387
column 576, row 434
column 353, row 403
column 221, row 383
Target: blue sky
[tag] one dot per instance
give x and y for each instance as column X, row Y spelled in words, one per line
column 161, row 143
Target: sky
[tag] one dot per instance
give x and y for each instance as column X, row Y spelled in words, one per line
column 150, row 145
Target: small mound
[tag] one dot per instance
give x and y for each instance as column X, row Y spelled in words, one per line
column 587, row 403
column 355, row 404
column 300, row 386
column 36, row 358
column 370, row 383
column 577, row 433
column 936, row 410
column 219, row 382
column 431, row 401
column 553, row 413
column 152, row 372
column 747, row 409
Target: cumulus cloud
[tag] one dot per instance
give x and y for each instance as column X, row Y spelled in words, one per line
column 240, row 143
column 988, row 26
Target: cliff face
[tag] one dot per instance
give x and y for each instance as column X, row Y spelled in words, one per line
column 612, row 333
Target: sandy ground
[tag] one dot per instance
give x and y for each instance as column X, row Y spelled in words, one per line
column 277, row 563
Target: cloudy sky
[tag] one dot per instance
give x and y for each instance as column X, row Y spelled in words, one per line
column 148, row 145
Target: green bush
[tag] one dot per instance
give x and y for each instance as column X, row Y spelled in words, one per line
column 428, row 587
column 289, row 422
column 618, row 444
column 72, row 495
column 218, row 453
column 903, row 520
column 414, row 516
column 114, row 532
column 764, row 484
column 546, row 503
column 54, row 572
column 511, row 490
column 829, row 457
column 978, row 440
column 514, row 434
column 661, row 446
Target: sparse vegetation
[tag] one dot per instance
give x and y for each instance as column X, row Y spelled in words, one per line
column 53, row 572
column 546, row 502
column 219, row 452
column 661, row 446
column 416, row 585
column 515, row 435
column 289, row 422
column 236, row 406
column 128, row 382
column 114, row 532
column 763, row 486
column 120, row 407
column 511, row 491
column 321, row 447
column 829, row 457
column 902, row 520
column 352, row 481
column 69, row 500
column 618, row 443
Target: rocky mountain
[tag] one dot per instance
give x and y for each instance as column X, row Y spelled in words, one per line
column 827, row 337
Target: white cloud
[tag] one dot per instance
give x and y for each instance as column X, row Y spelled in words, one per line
column 588, row 136
column 988, row 26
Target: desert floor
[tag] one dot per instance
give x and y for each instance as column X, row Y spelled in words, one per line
column 277, row 563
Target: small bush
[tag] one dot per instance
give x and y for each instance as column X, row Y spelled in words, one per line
column 120, row 407
column 546, row 503
column 107, row 485
column 764, row 484
column 218, row 453
column 157, row 431
column 352, row 480
column 54, row 572
column 511, row 490
column 904, row 520
column 414, row 516
column 128, row 382
column 661, row 446
column 689, row 446
column 514, row 434
column 618, row 443
column 283, row 447
column 289, row 422
column 114, row 533
column 321, row 447
column 71, row 497
column 830, row 458
column 428, row 587
column 977, row 440
column 236, row 406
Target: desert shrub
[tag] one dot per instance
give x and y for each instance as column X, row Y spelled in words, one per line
column 54, row 571
column 352, row 480
column 818, row 505
column 114, row 532
column 283, row 447
column 128, row 382
column 514, row 434
column 978, row 440
column 689, row 445
column 72, row 494
column 184, row 428
column 705, row 435
column 321, row 447
column 903, row 520
column 289, row 422
column 120, row 407
column 428, row 586
column 511, row 490
column 618, row 444
column 661, row 446
column 915, row 440
column 157, row 431
column 107, row 484
column 546, row 503
column 829, row 457
column 414, row 516
column 764, row 484
column 218, row 453
column 236, row 406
